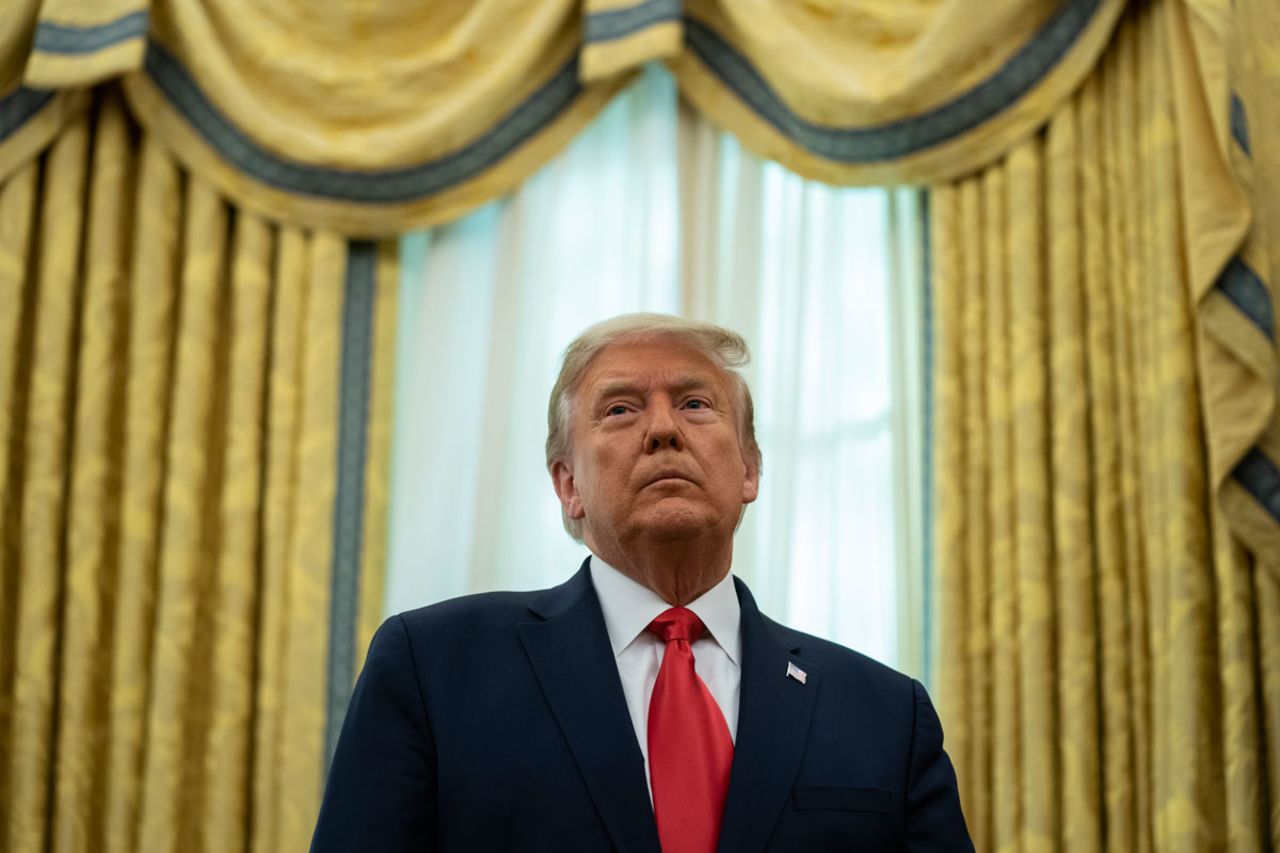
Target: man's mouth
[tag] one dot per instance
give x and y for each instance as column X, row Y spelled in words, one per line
column 668, row 477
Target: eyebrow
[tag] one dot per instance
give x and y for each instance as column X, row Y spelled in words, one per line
column 679, row 384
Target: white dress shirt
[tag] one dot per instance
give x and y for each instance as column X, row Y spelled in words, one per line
column 628, row 609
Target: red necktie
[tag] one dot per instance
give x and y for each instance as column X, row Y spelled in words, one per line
column 690, row 751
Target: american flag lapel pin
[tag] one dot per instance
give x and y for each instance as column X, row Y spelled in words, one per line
column 796, row 672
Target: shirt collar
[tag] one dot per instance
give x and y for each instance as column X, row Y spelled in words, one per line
column 629, row 607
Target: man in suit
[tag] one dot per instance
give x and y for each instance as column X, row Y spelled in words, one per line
column 645, row 704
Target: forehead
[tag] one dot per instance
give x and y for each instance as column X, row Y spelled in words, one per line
column 645, row 363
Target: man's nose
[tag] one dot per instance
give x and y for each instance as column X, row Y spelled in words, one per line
column 663, row 430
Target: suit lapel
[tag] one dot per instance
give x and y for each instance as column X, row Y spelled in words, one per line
column 573, row 661
column 773, row 728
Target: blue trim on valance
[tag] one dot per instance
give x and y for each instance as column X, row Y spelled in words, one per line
column 1260, row 477
column 1246, row 290
column 63, row 38
column 349, row 185
column 1240, row 124
column 354, row 380
column 1012, row 81
column 620, row 23
column 19, row 107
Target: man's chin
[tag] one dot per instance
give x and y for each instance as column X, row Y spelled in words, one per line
column 666, row 523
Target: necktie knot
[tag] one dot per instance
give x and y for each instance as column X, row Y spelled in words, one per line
column 677, row 623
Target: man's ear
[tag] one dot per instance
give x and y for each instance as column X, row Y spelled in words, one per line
column 751, row 484
column 566, row 489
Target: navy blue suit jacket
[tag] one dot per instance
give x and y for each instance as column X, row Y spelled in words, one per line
column 497, row 722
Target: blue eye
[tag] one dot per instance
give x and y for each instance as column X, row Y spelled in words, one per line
column 696, row 404
column 616, row 410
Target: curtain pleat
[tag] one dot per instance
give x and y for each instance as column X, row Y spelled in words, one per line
column 955, row 679
column 1070, row 563
column 1122, row 247
column 1266, row 680
column 17, row 197
column 240, row 537
column 1036, row 616
column 1085, row 564
column 998, row 425
column 1121, row 706
column 279, row 513
column 307, row 597
column 167, row 487
column 94, row 536
column 178, row 709
column 43, row 489
column 152, row 312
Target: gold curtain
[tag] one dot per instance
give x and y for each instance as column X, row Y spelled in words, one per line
column 1108, row 670
column 172, row 462
column 192, row 500
column 1231, row 187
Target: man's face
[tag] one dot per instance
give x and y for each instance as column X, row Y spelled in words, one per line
column 655, row 446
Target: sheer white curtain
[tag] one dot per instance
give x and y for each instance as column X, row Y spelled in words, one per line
column 652, row 209
column 825, row 283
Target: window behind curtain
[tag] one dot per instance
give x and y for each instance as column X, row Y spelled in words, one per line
column 651, row 209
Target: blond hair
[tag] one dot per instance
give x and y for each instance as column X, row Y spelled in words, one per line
column 726, row 348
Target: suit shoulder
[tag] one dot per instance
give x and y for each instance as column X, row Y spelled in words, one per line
column 471, row 611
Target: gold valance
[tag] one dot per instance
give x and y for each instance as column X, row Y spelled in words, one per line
column 373, row 118
column 864, row 92
column 369, row 118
